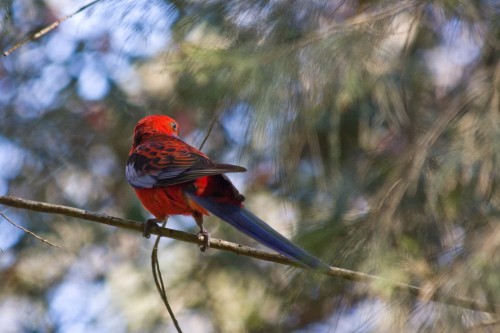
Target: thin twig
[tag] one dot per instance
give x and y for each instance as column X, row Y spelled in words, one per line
column 219, row 244
column 28, row 231
column 208, row 133
column 159, row 280
column 47, row 29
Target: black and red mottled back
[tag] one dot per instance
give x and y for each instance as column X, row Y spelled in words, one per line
column 159, row 158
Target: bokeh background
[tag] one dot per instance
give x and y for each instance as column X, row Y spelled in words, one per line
column 370, row 131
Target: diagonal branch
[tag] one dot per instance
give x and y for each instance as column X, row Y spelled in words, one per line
column 28, row 231
column 219, row 244
column 47, row 29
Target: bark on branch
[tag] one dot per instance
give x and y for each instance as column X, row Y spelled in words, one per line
column 219, row 244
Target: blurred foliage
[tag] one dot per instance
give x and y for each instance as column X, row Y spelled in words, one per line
column 370, row 130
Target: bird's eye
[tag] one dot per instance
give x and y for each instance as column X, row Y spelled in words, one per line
column 174, row 126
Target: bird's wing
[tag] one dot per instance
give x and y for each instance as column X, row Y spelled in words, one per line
column 166, row 160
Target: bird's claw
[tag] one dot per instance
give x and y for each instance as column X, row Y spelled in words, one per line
column 148, row 225
column 206, row 240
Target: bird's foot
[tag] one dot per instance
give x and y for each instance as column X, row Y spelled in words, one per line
column 148, row 225
column 206, row 240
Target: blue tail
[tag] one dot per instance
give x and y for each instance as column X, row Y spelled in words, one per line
column 251, row 225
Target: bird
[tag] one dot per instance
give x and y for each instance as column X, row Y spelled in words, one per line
column 171, row 177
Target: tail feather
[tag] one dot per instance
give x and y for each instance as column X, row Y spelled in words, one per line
column 246, row 222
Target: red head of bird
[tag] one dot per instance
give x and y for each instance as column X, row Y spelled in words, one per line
column 153, row 125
